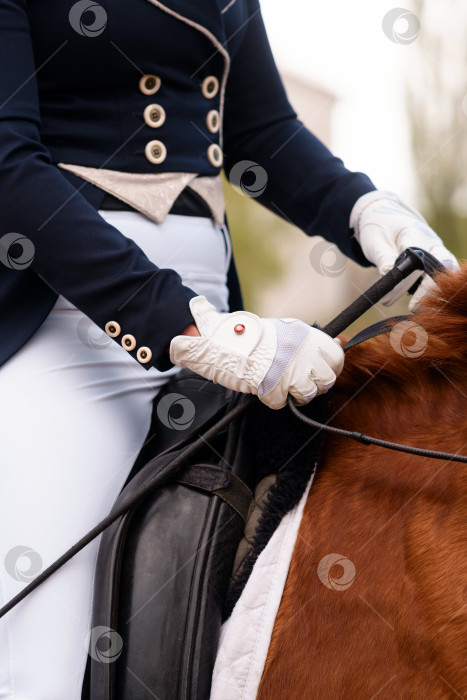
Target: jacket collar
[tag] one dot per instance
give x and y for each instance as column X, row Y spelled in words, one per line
column 202, row 13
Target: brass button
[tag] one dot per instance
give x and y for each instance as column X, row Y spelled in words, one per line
column 154, row 115
column 144, row 354
column 129, row 341
column 155, row 152
column 210, row 87
column 149, row 84
column 112, row 328
column 213, row 121
column 215, row 155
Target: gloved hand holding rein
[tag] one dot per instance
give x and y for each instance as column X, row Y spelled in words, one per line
column 276, row 357
column 268, row 357
column 385, row 226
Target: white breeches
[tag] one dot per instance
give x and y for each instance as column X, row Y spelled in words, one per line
column 75, row 409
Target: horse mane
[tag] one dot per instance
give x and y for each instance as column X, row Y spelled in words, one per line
column 437, row 332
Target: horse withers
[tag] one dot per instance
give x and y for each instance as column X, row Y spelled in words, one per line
column 375, row 603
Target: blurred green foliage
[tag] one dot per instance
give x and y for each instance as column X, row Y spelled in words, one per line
column 255, row 232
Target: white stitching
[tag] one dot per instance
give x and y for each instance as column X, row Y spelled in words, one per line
column 228, row 6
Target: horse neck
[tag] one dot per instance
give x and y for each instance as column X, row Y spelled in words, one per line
column 403, row 400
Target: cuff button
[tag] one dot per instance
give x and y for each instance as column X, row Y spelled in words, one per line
column 112, row 328
column 129, row 341
column 144, row 354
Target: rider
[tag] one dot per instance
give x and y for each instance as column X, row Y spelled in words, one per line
column 142, row 103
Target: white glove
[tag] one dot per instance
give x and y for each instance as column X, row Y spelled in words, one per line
column 384, row 227
column 268, row 357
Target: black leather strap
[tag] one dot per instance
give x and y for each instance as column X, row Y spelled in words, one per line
column 237, row 495
column 378, row 328
column 222, row 483
column 371, row 332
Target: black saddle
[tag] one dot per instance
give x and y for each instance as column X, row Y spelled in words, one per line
column 170, row 571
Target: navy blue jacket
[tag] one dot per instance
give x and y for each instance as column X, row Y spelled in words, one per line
column 70, row 92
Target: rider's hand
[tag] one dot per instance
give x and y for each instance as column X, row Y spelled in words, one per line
column 385, row 226
column 268, row 357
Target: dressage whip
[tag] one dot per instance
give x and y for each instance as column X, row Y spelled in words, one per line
column 412, row 259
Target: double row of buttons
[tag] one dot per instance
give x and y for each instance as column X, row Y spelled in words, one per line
column 154, row 116
column 128, row 341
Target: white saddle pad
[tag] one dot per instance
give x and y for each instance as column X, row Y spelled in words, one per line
column 246, row 634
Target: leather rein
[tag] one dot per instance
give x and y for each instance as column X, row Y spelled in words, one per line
column 410, row 260
column 379, row 328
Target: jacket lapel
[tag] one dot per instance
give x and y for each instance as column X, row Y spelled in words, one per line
column 202, row 13
column 206, row 18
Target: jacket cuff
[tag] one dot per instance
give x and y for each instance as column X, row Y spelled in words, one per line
column 175, row 325
column 146, row 334
column 338, row 210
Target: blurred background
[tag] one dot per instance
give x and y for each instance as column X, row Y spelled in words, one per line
column 386, row 89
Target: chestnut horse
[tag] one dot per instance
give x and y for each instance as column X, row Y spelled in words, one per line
column 375, row 603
